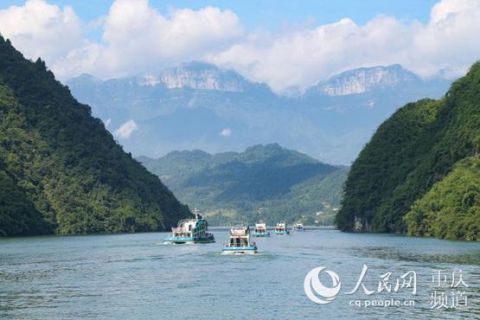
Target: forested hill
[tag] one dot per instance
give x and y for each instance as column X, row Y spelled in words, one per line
column 264, row 182
column 420, row 173
column 60, row 170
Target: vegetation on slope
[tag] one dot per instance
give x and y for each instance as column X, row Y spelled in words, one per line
column 267, row 183
column 451, row 209
column 411, row 152
column 64, row 172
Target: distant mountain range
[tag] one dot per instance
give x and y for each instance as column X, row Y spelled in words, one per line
column 201, row 76
column 365, row 80
column 264, row 182
column 200, row 106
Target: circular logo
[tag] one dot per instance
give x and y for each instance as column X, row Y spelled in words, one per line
column 316, row 291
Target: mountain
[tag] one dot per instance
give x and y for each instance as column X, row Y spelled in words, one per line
column 201, row 106
column 61, row 170
column 264, row 182
column 420, row 172
column 201, row 76
column 364, row 80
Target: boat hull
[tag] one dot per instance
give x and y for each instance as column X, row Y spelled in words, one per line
column 239, row 250
column 280, row 233
column 261, row 234
column 190, row 240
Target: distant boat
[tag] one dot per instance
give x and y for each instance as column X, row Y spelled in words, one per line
column 191, row 231
column 281, row 228
column 261, row 230
column 239, row 242
column 298, row 227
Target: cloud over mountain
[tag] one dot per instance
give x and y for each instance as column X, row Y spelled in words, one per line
column 137, row 38
column 447, row 44
column 126, row 129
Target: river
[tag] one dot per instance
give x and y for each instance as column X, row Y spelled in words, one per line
column 137, row 276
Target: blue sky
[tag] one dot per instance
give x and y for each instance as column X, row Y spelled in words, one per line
column 282, row 43
column 272, row 14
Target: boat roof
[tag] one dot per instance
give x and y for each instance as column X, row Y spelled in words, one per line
column 239, row 231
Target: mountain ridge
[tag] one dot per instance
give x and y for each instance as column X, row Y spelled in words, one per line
column 65, row 171
column 232, row 186
column 206, row 76
column 203, row 76
column 419, row 172
column 366, row 79
column 330, row 128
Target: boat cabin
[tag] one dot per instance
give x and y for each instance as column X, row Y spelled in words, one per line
column 260, row 227
column 281, row 227
column 239, row 237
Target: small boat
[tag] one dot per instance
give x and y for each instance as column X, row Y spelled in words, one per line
column 298, row 227
column 239, row 242
column 261, row 230
column 281, row 228
column 191, row 231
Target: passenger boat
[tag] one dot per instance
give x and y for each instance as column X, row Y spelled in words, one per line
column 191, row 231
column 239, row 242
column 298, row 227
column 281, row 228
column 261, row 230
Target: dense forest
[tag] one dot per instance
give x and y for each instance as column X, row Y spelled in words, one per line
column 264, row 182
column 420, row 172
column 60, row 170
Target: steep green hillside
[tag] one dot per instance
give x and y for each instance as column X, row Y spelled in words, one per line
column 409, row 154
column 262, row 183
column 60, row 170
column 451, row 209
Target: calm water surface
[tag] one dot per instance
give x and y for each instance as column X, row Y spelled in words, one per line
column 137, row 276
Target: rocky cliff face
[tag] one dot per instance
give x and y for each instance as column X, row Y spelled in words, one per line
column 199, row 76
column 367, row 79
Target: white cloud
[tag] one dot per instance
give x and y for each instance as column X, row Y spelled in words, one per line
column 126, row 129
column 227, row 132
column 107, row 123
column 39, row 29
column 137, row 39
column 448, row 42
